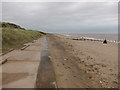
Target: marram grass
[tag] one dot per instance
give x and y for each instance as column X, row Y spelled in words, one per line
column 13, row 37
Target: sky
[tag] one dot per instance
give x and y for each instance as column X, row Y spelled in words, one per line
column 63, row 17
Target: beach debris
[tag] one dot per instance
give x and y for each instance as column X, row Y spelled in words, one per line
column 3, row 61
column 89, row 70
column 69, row 67
column 74, row 76
column 7, row 52
column 101, row 83
column 106, row 82
column 96, row 68
column 82, row 61
column 65, row 59
column 105, row 41
column 86, row 71
column 115, row 82
column 91, row 65
column 70, row 45
column 104, row 65
column 49, row 56
column 54, row 83
column 112, row 87
column 24, row 47
column 89, row 57
column 90, row 77
column 110, row 69
column 98, row 73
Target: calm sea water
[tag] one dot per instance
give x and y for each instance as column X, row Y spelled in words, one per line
column 109, row 37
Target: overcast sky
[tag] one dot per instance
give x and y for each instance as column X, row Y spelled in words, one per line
column 63, row 17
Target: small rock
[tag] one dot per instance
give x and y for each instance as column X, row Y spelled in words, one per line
column 69, row 67
column 65, row 59
column 98, row 73
column 101, row 83
column 91, row 65
column 91, row 58
column 86, row 71
column 96, row 68
column 89, row 70
column 49, row 56
column 74, row 76
column 90, row 77
column 110, row 69
column 103, row 65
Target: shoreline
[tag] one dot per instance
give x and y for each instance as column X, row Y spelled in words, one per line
column 97, row 37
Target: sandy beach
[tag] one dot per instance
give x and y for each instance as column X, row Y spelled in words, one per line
column 60, row 44
column 83, row 63
column 76, row 63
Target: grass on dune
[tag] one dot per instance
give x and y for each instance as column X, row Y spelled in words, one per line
column 13, row 37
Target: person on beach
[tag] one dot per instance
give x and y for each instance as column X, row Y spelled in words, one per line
column 105, row 41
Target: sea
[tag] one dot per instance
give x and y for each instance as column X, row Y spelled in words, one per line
column 101, row 37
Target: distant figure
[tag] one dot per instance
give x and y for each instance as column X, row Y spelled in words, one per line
column 105, row 41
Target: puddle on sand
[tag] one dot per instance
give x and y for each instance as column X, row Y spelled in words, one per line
column 46, row 76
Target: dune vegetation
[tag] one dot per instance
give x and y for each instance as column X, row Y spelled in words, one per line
column 14, row 36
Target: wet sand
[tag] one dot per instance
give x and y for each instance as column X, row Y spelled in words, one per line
column 84, row 64
column 45, row 75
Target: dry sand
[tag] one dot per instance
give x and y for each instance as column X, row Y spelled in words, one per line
column 84, row 64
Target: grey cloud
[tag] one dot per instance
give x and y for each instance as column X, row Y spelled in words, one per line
column 82, row 17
